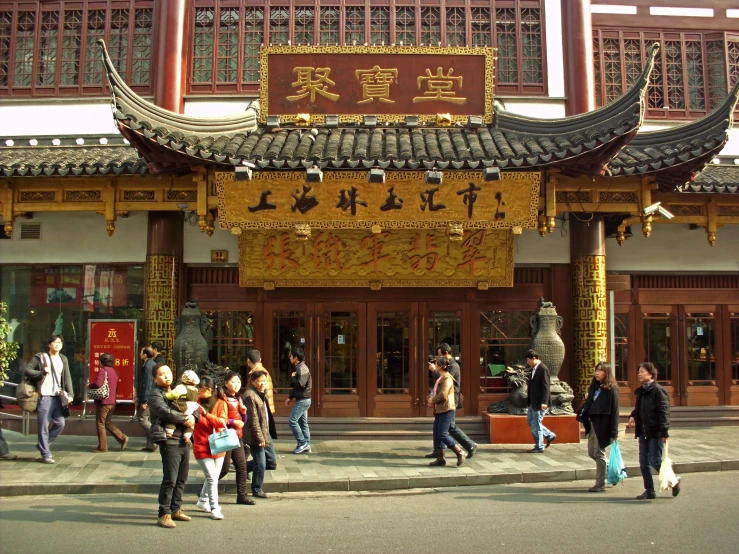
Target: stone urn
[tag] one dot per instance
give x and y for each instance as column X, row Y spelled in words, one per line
column 190, row 349
column 546, row 327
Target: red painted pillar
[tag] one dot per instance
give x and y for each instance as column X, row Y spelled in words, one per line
column 577, row 34
column 173, row 26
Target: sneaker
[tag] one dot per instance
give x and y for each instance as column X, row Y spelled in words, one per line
column 203, row 506
column 676, row 488
column 647, row 495
column 48, row 461
column 302, row 448
column 535, row 451
column 550, row 441
column 216, row 514
column 179, row 515
column 596, row 488
column 166, row 522
column 8, row 457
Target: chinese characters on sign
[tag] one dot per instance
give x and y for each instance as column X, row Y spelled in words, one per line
column 401, row 257
column 389, row 82
column 345, row 197
column 117, row 338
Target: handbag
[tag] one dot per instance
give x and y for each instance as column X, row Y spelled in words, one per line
column 100, row 393
column 667, row 477
column 63, row 394
column 223, row 441
column 616, row 467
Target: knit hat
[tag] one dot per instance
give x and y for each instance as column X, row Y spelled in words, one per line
column 189, row 377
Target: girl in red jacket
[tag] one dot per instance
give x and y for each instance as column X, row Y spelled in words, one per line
column 213, row 417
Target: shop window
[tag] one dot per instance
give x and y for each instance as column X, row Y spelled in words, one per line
column 445, row 327
column 516, row 30
column 658, row 345
column 692, row 74
column 230, row 337
column 621, row 337
column 46, row 300
column 700, row 337
column 504, row 339
column 50, row 49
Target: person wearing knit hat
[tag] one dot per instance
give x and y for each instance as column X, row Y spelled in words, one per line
column 184, row 398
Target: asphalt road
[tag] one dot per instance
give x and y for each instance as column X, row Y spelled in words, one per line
column 541, row 517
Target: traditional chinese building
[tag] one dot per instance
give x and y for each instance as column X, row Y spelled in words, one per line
column 376, row 179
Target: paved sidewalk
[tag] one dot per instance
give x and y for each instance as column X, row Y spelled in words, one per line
column 341, row 465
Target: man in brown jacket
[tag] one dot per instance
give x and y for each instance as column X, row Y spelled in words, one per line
column 256, row 433
column 254, row 363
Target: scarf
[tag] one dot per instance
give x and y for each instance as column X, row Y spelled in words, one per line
column 648, row 385
column 208, row 403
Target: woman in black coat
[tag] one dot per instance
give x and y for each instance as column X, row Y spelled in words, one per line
column 601, row 420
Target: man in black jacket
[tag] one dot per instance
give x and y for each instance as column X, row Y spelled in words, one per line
column 302, row 384
column 174, row 451
column 49, row 372
column 651, row 421
column 145, row 384
column 443, row 350
column 538, row 402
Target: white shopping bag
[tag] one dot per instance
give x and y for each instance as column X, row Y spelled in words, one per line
column 667, row 477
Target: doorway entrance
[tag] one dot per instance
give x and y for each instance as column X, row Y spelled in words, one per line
column 367, row 359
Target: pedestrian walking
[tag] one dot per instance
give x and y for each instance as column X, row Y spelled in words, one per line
column 236, row 412
column 144, row 389
column 173, row 450
column 213, row 417
column 442, row 400
column 443, row 350
column 302, row 384
column 5, row 453
column 49, row 372
column 600, row 419
column 105, row 407
column 651, row 421
column 257, row 428
column 538, row 402
column 254, row 363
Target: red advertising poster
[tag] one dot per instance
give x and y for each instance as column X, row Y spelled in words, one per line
column 117, row 338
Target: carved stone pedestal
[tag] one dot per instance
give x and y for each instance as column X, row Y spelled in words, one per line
column 510, row 429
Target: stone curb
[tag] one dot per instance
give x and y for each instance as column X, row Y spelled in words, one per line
column 368, row 484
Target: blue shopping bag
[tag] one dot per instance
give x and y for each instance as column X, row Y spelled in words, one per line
column 223, row 441
column 616, row 468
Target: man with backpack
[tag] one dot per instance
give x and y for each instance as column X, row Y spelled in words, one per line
column 49, row 372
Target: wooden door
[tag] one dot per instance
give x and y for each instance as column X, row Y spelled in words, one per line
column 700, row 347
column 396, row 371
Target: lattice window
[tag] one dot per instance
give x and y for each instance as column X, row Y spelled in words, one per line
column 25, row 34
column 304, row 26
column 202, row 67
column 93, row 63
column 405, row 25
column 71, row 48
column 141, row 50
column 430, row 26
column 598, row 71
column 354, row 25
column 690, row 76
column 279, row 25
column 118, row 40
column 228, row 45
column 531, row 47
column 47, row 52
column 379, row 25
column 455, row 27
column 482, row 27
column 505, row 34
column 253, row 38
column 732, row 54
column 6, row 30
column 329, row 26
column 621, row 340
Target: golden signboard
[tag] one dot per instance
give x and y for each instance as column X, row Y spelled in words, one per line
column 282, row 199
column 387, row 81
column 360, row 258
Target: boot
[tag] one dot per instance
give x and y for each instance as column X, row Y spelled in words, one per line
column 460, row 454
column 440, row 458
column 434, row 454
column 179, row 515
column 166, row 522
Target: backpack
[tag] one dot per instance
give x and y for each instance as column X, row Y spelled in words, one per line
column 26, row 393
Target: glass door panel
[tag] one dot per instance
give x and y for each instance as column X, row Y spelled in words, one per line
column 393, row 353
column 658, row 346
column 700, row 359
column 734, row 357
column 289, row 329
column 444, row 327
column 341, row 378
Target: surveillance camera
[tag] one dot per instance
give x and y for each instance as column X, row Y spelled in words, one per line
column 651, row 210
column 182, row 206
column 665, row 213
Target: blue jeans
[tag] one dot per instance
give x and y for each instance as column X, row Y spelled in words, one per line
column 650, row 456
column 270, row 457
column 257, row 467
column 442, row 422
column 49, row 409
column 298, row 421
column 535, row 418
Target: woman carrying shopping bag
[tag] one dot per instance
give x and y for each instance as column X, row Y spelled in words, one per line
column 601, row 412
